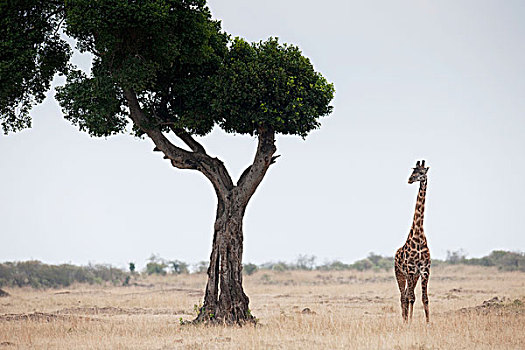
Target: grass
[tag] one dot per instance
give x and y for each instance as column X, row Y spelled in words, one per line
column 349, row 310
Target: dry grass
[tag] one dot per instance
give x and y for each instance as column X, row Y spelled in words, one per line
column 349, row 310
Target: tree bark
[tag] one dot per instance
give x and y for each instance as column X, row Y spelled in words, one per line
column 224, row 299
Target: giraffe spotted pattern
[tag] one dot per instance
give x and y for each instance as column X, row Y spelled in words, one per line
column 412, row 260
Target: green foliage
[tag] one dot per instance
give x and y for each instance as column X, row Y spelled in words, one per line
column 303, row 262
column 31, row 52
column 271, row 85
column 503, row 260
column 38, row 275
column 197, row 308
column 380, row 262
column 170, row 53
column 156, row 266
column 177, row 267
column 94, row 104
column 249, row 269
column 362, row 265
column 334, row 266
column 126, row 281
column 372, row 262
column 507, row 261
column 132, row 267
column 164, row 50
column 159, row 266
column 201, row 267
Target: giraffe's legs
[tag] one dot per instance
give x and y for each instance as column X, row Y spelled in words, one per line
column 424, row 296
column 412, row 281
column 401, row 283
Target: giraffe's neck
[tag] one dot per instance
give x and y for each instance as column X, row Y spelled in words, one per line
column 417, row 224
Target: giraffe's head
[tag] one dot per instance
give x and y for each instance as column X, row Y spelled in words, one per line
column 419, row 173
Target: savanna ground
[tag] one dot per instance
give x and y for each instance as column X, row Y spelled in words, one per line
column 296, row 310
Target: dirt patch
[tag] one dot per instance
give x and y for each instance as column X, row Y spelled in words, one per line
column 77, row 313
column 283, row 296
column 40, row 317
column 365, row 299
column 188, row 291
column 110, row 310
column 469, row 291
column 498, row 305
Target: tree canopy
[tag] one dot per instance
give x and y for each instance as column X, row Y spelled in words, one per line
column 31, row 53
column 269, row 84
column 185, row 71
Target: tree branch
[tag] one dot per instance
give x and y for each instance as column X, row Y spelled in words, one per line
column 193, row 144
column 253, row 175
column 212, row 168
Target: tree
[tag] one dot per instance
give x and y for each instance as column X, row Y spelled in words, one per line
column 31, row 52
column 156, row 266
column 177, row 267
column 167, row 67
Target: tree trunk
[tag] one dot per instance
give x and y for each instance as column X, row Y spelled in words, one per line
column 225, row 300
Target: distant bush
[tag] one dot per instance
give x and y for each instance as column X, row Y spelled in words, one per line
column 334, row 266
column 362, row 265
column 249, row 269
column 373, row 262
column 457, row 257
column 503, row 260
column 159, row 266
column 154, row 268
column 201, row 267
column 381, row 262
column 38, row 275
column 281, row 266
column 305, row 262
column 507, row 261
column 177, row 267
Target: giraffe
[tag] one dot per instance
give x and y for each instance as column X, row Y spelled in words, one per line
column 413, row 259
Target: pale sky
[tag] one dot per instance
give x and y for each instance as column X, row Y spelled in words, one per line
column 437, row 80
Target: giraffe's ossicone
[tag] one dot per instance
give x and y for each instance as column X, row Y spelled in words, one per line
column 412, row 260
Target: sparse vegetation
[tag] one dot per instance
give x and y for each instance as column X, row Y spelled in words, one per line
column 38, row 275
column 156, row 268
column 249, row 269
column 503, row 260
column 177, row 267
column 200, row 267
column 473, row 308
column 307, row 262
